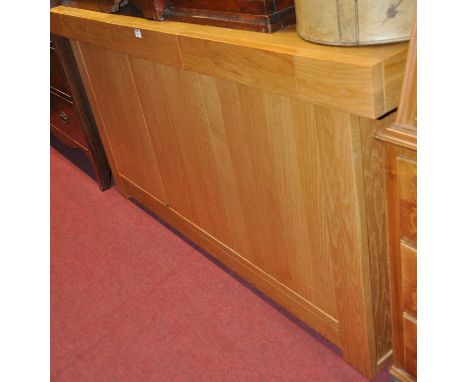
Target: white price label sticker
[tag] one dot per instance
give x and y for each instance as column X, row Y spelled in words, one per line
column 138, row 33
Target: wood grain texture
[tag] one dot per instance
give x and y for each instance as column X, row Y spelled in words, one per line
column 349, row 79
column 155, row 46
column 410, row 350
column 393, row 226
column 340, row 158
column 373, row 159
column 216, row 129
column 395, row 158
column 407, row 109
column 158, row 107
column 336, row 85
column 240, row 64
column 407, row 191
column 109, row 74
column 403, row 132
column 408, row 278
column 393, row 79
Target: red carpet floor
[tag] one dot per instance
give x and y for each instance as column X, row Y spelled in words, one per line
column 132, row 301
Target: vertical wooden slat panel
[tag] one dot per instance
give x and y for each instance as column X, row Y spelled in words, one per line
column 157, row 87
column 373, row 163
column 123, row 120
column 340, row 156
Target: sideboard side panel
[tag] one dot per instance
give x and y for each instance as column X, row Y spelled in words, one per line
column 373, row 159
column 237, row 162
column 341, row 163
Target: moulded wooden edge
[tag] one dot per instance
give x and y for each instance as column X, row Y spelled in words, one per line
column 69, row 141
column 401, row 375
column 324, row 324
column 385, row 361
column 400, row 136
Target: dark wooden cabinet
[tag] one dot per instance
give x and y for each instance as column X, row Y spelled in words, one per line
column 401, row 200
column 71, row 120
column 107, row 6
column 257, row 15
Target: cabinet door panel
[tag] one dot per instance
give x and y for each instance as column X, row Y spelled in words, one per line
column 156, row 105
column 242, row 164
column 124, row 123
column 178, row 124
column 272, row 161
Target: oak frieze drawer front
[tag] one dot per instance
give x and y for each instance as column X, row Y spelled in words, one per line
column 285, row 191
column 362, row 81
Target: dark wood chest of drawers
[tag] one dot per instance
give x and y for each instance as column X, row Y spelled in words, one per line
column 401, row 200
column 107, row 6
column 257, row 15
column 70, row 118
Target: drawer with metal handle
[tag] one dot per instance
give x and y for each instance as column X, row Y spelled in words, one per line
column 64, row 121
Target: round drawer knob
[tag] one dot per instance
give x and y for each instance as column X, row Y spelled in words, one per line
column 64, row 118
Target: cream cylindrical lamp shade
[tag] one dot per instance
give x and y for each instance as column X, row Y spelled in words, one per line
column 355, row 22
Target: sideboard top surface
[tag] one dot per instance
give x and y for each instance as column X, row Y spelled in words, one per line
column 364, row 81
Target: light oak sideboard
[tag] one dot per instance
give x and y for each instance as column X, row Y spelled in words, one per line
column 260, row 149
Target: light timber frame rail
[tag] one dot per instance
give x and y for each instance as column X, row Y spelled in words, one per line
column 260, row 149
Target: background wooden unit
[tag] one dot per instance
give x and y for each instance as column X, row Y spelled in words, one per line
column 286, row 192
column 64, row 122
column 71, row 119
column 258, row 15
column 407, row 191
column 154, row 9
column 401, row 191
column 408, row 278
column 410, row 349
column 107, row 6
